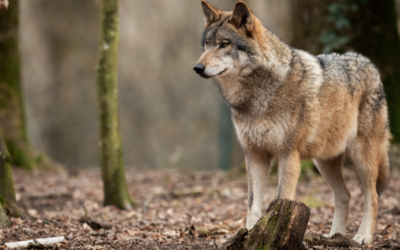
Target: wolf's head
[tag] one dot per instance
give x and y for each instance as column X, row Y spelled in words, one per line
column 241, row 54
column 229, row 41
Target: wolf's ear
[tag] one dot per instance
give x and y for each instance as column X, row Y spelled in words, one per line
column 242, row 17
column 211, row 13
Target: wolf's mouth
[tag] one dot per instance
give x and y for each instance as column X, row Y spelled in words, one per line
column 221, row 72
column 208, row 77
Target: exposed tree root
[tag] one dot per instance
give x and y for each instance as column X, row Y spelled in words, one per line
column 4, row 221
column 337, row 240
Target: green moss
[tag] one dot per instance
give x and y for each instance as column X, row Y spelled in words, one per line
column 288, row 214
column 4, row 221
column 2, row 200
column 21, row 155
column 7, row 191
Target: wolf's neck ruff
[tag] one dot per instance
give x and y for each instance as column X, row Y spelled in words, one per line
column 251, row 89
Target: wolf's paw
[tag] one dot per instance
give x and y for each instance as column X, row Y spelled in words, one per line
column 328, row 235
column 363, row 239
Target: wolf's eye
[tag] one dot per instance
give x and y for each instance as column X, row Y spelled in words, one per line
column 223, row 45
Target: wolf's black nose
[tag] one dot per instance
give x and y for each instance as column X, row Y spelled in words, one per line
column 199, row 68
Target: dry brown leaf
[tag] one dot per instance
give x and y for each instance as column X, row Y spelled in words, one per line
column 183, row 216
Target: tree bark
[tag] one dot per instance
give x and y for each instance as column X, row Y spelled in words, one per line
column 12, row 110
column 8, row 202
column 4, row 221
column 115, row 188
column 226, row 131
column 282, row 227
column 309, row 20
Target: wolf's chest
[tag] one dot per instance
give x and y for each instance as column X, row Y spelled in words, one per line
column 266, row 134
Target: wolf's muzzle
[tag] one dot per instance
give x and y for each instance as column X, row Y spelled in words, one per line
column 199, row 68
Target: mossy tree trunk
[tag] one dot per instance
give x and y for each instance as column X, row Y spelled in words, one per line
column 4, row 220
column 12, row 111
column 115, row 188
column 8, row 203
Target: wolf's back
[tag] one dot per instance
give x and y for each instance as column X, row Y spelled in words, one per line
column 352, row 69
column 361, row 79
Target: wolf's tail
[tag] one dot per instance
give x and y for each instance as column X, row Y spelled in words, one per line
column 383, row 174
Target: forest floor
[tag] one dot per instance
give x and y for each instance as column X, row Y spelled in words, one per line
column 176, row 209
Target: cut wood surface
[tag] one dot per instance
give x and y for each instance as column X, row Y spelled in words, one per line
column 282, row 227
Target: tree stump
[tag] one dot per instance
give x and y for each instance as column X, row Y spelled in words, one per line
column 282, row 227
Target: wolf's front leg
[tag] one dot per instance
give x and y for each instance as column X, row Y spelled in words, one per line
column 257, row 166
column 289, row 171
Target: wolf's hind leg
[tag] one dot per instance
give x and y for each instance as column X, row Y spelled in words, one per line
column 366, row 165
column 257, row 166
column 331, row 170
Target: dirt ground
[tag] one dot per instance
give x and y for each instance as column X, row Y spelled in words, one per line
column 176, row 210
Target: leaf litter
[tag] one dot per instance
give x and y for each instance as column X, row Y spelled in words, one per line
column 176, row 209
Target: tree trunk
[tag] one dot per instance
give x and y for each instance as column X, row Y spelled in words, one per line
column 8, row 202
column 282, row 227
column 308, row 22
column 12, row 110
column 115, row 188
column 374, row 34
column 4, row 221
column 225, row 133
column 225, row 138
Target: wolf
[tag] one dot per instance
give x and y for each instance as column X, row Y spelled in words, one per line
column 290, row 105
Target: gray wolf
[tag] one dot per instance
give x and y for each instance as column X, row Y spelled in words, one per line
column 290, row 105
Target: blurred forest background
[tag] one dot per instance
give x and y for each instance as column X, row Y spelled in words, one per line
column 169, row 116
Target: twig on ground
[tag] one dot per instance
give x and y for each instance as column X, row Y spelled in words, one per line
column 36, row 243
column 95, row 224
column 50, row 196
column 394, row 211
